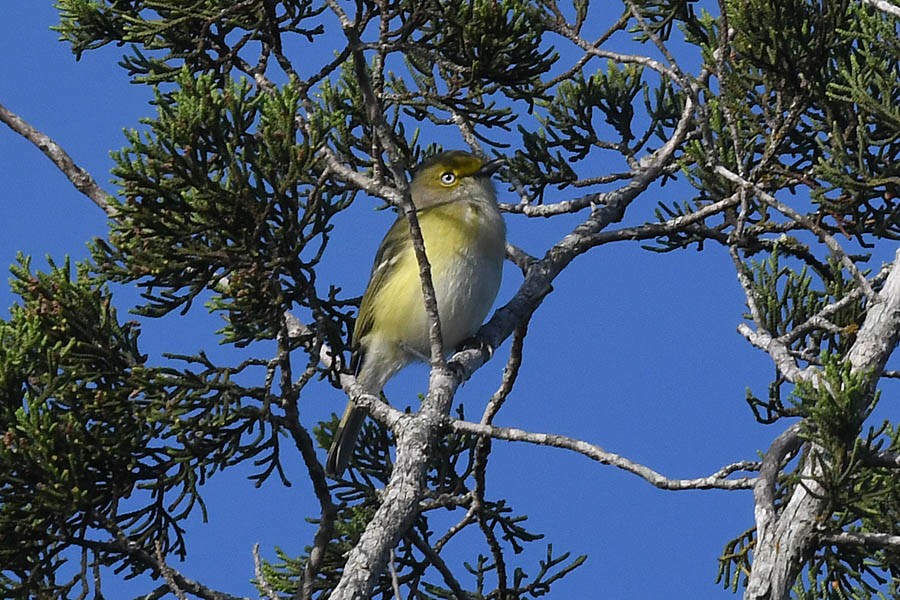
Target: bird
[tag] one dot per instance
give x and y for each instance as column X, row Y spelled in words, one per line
column 465, row 240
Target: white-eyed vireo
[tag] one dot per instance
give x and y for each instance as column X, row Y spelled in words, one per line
column 464, row 237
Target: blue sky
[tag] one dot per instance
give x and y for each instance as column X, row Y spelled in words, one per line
column 634, row 351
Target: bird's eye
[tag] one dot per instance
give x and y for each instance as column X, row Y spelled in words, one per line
column 448, row 178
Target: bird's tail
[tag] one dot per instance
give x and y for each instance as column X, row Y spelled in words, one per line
column 344, row 441
column 372, row 374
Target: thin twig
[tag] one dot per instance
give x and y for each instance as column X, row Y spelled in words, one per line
column 379, row 410
column 304, row 444
column 435, row 559
column 673, row 225
column 261, row 582
column 820, row 319
column 807, row 223
column 565, row 30
column 167, row 572
column 677, row 74
column 395, row 580
column 510, row 374
column 467, row 520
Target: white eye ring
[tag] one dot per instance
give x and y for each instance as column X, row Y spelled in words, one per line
column 448, row 178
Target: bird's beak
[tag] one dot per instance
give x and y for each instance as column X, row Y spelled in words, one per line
column 491, row 167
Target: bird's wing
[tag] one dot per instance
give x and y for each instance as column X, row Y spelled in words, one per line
column 395, row 243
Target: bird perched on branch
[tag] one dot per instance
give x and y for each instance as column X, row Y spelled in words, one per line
column 465, row 239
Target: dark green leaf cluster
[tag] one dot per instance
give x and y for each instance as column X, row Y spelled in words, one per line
column 818, row 586
column 610, row 92
column 799, row 56
column 223, row 193
column 483, row 45
column 863, row 171
column 551, row 568
column 75, row 439
column 466, row 61
column 101, row 453
column 227, row 199
column 206, row 36
column 663, row 17
column 782, row 56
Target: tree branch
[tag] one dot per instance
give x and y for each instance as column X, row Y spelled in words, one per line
column 856, row 539
column 80, row 178
column 168, row 573
column 785, row 445
column 778, row 352
column 717, row 480
column 261, row 582
column 673, row 225
column 784, row 540
column 887, row 459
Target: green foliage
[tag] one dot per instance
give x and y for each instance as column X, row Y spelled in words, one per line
column 572, row 129
column 804, row 99
column 76, row 437
column 202, row 36
column 862, row 172
column 611, row 93
column 799, row 57
column 226, row 199
column 834, row 66
column 341, row 113
column 831, row 406
column 485, row 45
column 787, row 301
column 222, row 194
column 101, row 452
